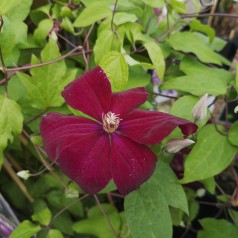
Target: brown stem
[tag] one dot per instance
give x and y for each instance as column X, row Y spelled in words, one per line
column 45, row 63
column 68, row 206
column 36, row 116
column 208, row 15
column 39, row 150
column 105, row 215
column 166, row 96
column 233, row 171
column 20, row 184
column 113, row 14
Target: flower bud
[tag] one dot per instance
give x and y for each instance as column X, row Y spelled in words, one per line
column 234, row 198
column 25, row 174
column 71, row 193
column 236, row 109
column 199, row 111
column 176, row 144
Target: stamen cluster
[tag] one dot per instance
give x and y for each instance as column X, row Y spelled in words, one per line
column 110, row 122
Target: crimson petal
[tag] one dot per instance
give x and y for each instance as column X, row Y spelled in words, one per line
column 124, row 102
column 147, row 127
column 131, row 163
column 90, row 93
column 81, row 149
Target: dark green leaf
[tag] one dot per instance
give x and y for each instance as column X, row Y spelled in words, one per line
column 213, row 228
column 200, row 79
column 233, row 134
column 147, row 213
column 211, row 154
column 147, row 209
column 183, row 108
column 97, row 225
column 190, row 43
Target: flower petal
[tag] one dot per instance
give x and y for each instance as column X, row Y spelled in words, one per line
column 147, row 127
column 90, row 93
column 131, row 163
column 81, row 149
column 124, row 102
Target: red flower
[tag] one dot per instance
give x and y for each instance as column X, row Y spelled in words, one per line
column 113, row 145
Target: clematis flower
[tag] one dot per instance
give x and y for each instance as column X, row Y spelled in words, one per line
column 111, row 145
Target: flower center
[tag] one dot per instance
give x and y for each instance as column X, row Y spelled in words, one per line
column 110, row 122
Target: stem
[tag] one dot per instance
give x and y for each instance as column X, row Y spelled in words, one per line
column 39, row 150
column 45, row 63
column 105, row 215
column 166, row 96
column 17, row 180
column 36, row 116
column 68, row 206
column 2, row 60
column 113, row 14
column 208, row 15
column 233, row 171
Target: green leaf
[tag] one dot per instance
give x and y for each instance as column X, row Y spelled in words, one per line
column 45, row 84
column 237, row 77
column 67, row 25
column 115, row 66
column 196, row 25
column 106, row 41
column 156, row 57
column 168, row 184
column 95, row 12
column 123, row 17
column 183, row 108
column 54, row 234
column 211, row 154
column 178, row 6
column 13, row 34
column 42, row 213
column 97, row 225
column 155, row 3
column 147, row 209
column 7, row 5
column 233, row 134
column 11, row 121
column 42, row 31
column 214, row 228
column 20, row 11
column 218, row 44
column 190, row 43
column 200, row 79
column 40, row 13
column 147, row 213
column 64, row 223
column 209, row 184
column 25, row 229
column 138, row 77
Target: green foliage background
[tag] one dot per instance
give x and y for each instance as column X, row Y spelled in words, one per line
column 44, row 46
